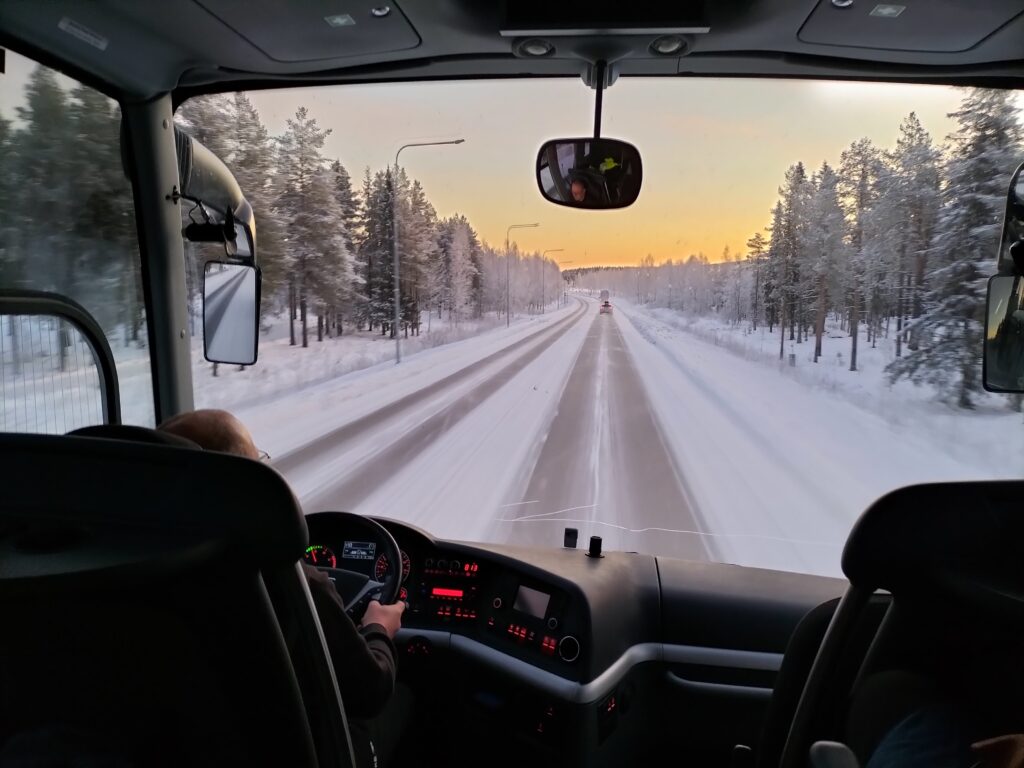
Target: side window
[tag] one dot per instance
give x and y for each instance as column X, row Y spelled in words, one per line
column 67, row 226
column 49, row 380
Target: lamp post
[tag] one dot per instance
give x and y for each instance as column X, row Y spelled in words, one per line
column 508, row 321
column 394, row 239
column 543, row 303
column 563, row 281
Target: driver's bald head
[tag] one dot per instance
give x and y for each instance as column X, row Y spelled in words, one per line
column 214, row 430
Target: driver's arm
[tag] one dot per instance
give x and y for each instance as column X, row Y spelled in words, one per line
column 363, row 658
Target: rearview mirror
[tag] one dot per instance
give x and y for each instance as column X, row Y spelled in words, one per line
column 589, row 173
column 1003, row 369
column 231, row 300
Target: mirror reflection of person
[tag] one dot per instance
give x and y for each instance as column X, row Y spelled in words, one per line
column 586, row 189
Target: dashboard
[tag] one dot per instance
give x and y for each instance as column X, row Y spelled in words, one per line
column 451, row 588
column 566, row 659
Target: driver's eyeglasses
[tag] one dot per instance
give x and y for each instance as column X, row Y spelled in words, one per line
column 264, row 456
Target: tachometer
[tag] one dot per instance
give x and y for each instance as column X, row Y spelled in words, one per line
column 318, row 554
column 380, row 568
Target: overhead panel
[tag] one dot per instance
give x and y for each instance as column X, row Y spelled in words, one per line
column 317, row 30
column 936, row 26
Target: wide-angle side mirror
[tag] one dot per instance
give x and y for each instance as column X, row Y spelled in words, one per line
column 221, row 214
column 589, row 173
column 1003, row 352
column 231, row 311
column 1003, row 368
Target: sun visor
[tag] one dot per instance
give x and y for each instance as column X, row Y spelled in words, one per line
column 938, row 26
column 317, row 30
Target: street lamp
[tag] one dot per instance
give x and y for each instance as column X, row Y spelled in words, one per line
column 543, row 303
column 508, row 321
column 564, row 296
column 394, row 232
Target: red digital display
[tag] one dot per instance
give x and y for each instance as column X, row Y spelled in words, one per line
column 443, row 592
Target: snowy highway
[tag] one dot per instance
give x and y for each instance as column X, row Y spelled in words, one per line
column 604, row 466
column 618, row 425
column 552, row 430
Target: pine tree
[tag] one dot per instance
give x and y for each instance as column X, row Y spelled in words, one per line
column 859, row 170
column 250, row 156
column 304, row 197
column 983, row 150
column 916, row 165
column 825, row 232
column 757, row 256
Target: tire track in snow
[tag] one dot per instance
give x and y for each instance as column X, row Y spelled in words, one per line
column 378, row 468
column 605, row 467
column 316, row 449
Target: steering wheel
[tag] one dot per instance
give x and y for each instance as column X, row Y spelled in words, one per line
column 358, row 589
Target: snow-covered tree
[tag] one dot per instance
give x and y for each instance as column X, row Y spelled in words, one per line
column 321, row 264
column 982, row 152
column 825, row 232
column 860, row 167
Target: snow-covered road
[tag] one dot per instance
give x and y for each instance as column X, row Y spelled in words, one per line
column 618, row 425
column 551, row 430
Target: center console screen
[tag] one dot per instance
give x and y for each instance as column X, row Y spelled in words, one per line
column 532, row 602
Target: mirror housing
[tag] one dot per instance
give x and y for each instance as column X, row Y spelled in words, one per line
column 231, row 301
column 599, row 174
column 1011, row 244
column 227, row 216
column 1003, row 351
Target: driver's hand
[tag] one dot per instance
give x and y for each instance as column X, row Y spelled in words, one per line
column 388, row 616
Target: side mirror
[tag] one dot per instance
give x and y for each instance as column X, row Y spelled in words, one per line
column 1003, row 369
column 231, row 301
column 592, row 173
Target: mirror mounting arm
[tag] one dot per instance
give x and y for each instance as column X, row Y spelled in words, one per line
column 1017, row 254
column 600, row 75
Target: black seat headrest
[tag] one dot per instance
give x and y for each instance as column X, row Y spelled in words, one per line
column 133, row 433
column 114, row 482
column 965, row 539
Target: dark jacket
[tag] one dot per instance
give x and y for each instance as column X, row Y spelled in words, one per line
column 363, row 657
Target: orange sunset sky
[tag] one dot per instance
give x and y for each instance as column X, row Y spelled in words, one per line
column 714, row 151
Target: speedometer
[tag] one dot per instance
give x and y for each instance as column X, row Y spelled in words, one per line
column 318, row 554
column 382, row 566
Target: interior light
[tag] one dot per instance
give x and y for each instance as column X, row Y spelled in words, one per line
column 842, row 3
column 536, row 47
column 340, row 20
column 887, row 11
column 668, row 45
column 380, row 11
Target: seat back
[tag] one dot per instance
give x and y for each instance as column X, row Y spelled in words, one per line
column 948, row 556
column 136, row 585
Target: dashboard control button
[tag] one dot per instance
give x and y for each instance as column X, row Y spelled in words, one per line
column 456, row 565
column 569, row 648
column 496, row 603
column 552, row 623
column 442, row 565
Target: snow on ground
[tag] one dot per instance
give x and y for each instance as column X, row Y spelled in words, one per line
column 783, row 459
column 298, row 397
column 457, row 487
